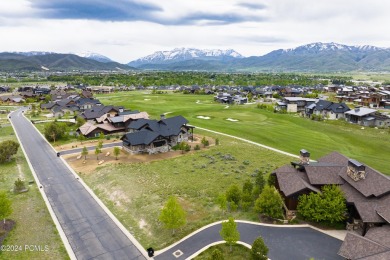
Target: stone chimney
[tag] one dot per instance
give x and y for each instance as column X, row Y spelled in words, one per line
column 162, row 117
column 304, row 157
column 356, row 170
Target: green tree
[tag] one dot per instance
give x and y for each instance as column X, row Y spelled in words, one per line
column 229, row 232
column 7, row 149
column 5, row 206
column 328, row 206
column 204, row 141
column 100, row 144
column 233, row 194
column 97, row 152
column 246, row 201
column 259, row 250
column 260, row 181
column 216, row 255
column 247, row 187
column 80, row 121
column 54, row 131
column 172, row 215
column 217, row 141
column 117, row 151
column 81, row 138
column 270, row 203
column 222, row 202
column 102, row 136
column 19, row 185
column 84, row 152
column 271, row 180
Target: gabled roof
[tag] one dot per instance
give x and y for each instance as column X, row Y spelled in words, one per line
column 165, row 127
column 87, row 128
column 144, row 137
column 375, row 183
column 291, row 181
column 98, row 111
column 357, row 247
column 339, row 108
column 323, row 173
column 322, row 104
column 83, row 101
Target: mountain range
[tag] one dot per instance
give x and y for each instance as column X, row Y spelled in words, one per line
column 313, row 57
column 48, row 61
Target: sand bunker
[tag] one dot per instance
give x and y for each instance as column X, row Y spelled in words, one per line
column 232, row 120
column 146, row 99
column 203, row 117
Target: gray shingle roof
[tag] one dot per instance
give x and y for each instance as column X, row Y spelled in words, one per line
column 139, row 138
column 357, row 247
column 165, row 127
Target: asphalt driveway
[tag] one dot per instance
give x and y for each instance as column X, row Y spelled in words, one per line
column 284, row 243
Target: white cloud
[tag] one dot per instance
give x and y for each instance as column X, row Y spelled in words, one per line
column 281, row 24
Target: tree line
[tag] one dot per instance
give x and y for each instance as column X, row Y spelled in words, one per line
column 146, row 79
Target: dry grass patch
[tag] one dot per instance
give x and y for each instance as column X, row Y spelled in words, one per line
column 135, row 188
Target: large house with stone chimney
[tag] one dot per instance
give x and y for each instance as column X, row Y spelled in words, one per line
column 156, row 136
column 367, row 195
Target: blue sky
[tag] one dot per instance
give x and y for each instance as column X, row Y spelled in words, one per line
column 125, row 30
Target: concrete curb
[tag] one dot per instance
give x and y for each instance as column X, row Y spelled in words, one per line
column 101, row 204
column 41, row 190
column 214, row 244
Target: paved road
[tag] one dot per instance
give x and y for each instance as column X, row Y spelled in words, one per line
column 89, row 148
column 284, row 243
column 92, row 234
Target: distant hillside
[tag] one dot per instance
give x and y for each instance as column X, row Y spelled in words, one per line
column 314, row 57
column 54, row 62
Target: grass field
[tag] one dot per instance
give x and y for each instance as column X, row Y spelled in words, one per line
column 135, row 192
column 34, row 225
column 239, row 252
column 283, row 131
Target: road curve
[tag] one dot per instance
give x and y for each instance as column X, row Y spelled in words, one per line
column 91, row 233
column 284, row 243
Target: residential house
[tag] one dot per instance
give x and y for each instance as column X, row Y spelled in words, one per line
column 87, row 103
column 5, row 89
column 366, row 191
column 327, row 109
column 361, row 116
column 95, row 112
column 294, row 104
column 94, row 130
column 154, row 136
column 11, row 99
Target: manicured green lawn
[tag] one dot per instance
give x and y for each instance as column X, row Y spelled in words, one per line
column 136, row 192
column 286, row 132
column 34, row 225
column 238, row 252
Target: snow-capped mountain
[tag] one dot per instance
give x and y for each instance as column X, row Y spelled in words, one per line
column 323, row 47
column 182, row 54
column 94, row 56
